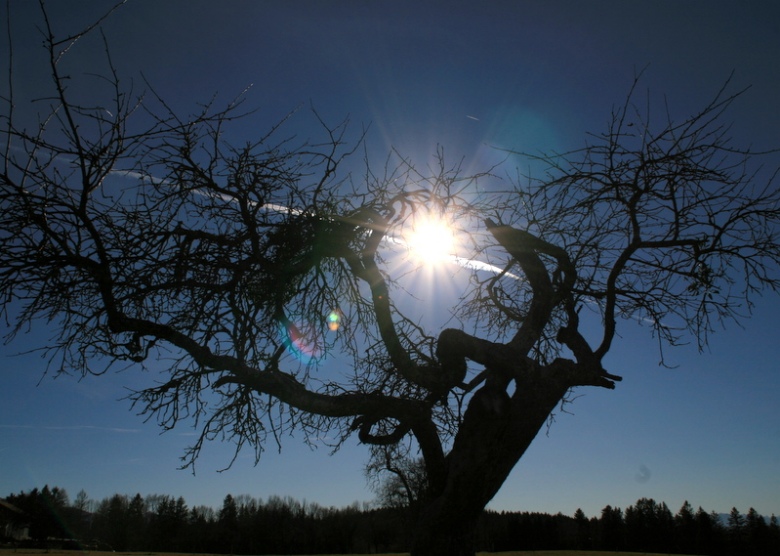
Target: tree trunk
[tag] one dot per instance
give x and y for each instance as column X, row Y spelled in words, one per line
column 495, row 433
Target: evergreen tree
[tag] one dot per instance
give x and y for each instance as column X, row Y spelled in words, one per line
column 685, row 529
column 179, row 523
column 202, row 520
column 245, row 525
column 169, row 522
column 46, row 511
column 227, row 518
column 641, row 524
column 756, row 533
column 249, row 524
column 773, row 534
column 705, row 532
column 664, row 528
column 111, row 525
column 583, row 530
column 736, row 532
column 612, row 528
column 736, row 523
column 136, row 524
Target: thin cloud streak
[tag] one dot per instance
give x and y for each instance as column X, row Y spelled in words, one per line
column 462, row 262
column 70, row 428
column 480, row 265
column 272, row 207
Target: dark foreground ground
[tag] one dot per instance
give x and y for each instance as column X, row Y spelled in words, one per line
column 23, row 551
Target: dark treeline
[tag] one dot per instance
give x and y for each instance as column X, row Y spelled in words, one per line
column 246, row 525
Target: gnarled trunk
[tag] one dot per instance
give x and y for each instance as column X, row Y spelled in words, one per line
column 495, row 433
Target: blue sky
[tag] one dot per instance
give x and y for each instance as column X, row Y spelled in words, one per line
column 470, row 77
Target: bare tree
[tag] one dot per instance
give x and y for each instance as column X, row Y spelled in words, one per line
column 142, row 238
column 400, row 481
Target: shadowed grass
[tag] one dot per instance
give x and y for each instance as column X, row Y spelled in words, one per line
column 23, row 551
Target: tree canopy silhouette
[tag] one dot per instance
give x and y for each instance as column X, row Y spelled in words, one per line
column 266, row 282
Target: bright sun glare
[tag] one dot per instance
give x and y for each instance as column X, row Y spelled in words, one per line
column 431, row 241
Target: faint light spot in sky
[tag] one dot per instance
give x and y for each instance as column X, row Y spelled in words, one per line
column 643, row 475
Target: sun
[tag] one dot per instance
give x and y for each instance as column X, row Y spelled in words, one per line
column 431, row 240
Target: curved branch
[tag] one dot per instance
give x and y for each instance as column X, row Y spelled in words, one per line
column 364, row 425
column 548, row 292
column 364, row 266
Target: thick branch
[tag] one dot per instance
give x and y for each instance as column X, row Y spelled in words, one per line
column 455, row 346
column 365, row 267
column 276, row 383
column 525, row 248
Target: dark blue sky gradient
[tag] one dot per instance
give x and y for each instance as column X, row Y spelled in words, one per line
column 470, row 76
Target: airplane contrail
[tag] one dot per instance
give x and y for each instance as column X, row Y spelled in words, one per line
column 69, row 428
column 454, row 259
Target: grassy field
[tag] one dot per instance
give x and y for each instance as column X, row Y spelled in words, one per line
column 22, row 551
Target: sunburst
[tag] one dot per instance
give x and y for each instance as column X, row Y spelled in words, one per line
column 431, row 240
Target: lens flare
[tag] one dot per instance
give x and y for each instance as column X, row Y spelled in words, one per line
column 302, row 339
column 334, row 320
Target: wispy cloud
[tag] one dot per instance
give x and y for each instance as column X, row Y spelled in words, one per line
column 133, row 174
column 480, row 265
column 462, row 262
column 70, row 428
column 272, row 207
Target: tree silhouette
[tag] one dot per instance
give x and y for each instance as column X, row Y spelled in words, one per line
column 400, row 482
column 685, row 527
column 111, row 524
column 136, row 523
column 583, row 530
column 613, row 536
column 757, row 533
column 228, row 522
column 44, row 510
column 267, row 284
